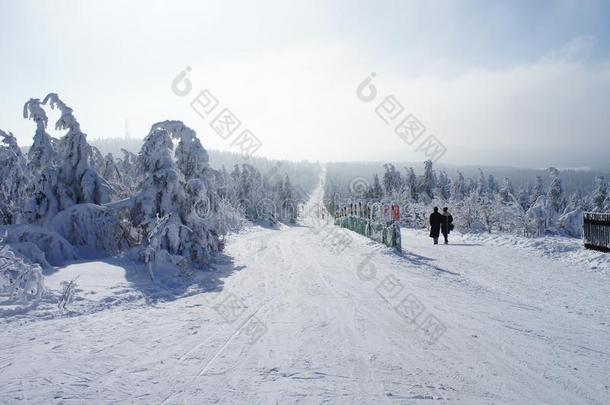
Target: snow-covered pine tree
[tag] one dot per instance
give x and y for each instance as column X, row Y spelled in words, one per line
column 599, row 197
column 523, row 198
column 570, row 221
column 412, row 183
column 392, row 181
column 269, row 203
column 287, row 202
column 13, row 178
column 539, row 217
column 506, row 192
column 109, row 169
column 82, row 183
column 555, row 193
column 428, row 181
column 492, row 187
column 127, row 167
column 233, row 186
column 472, row 186
column 376, row 192
column 42, row 153
column 458, row 188
column 171, row 192
column 97, row 159
column 222, row 183
column 537, row 190
column 191, row 158
column 69, row 181
column 467, row 214
column 443, row 185
column 575, row 201
column 250, row 193
column 510, row 212
column 482, row 189
column 387, row 179
column 520, row 212
column 489, row 213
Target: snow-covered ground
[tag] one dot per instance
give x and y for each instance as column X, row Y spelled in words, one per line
column 316, row 314
column 556, row 247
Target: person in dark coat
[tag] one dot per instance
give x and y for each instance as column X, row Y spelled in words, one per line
column 446, row 224
column 436, row 218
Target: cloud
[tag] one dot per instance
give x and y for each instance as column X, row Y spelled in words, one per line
column 578, row 48
column 541, row 113
column 302, row 104
column 290, row 75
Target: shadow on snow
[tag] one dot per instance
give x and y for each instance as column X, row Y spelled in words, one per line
column 170, row 283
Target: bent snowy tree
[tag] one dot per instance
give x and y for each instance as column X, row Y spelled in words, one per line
column 57, row 201
column 174, row 183
column 68, row 181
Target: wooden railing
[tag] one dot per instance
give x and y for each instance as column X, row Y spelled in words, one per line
column 596, row 231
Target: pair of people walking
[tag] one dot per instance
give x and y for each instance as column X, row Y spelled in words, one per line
column 440, row 223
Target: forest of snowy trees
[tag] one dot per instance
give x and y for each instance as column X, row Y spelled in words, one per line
column 167, row 207
column 164, row 206
column 479, row 203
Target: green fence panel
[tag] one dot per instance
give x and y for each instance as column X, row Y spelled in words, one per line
column 388, row 235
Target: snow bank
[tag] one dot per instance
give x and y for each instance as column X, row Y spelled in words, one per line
column 19, row 281
column 560, row 248
column 570, row 223
column 92, row 228
column 24, row 238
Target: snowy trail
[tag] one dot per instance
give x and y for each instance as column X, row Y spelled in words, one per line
column 298, row 322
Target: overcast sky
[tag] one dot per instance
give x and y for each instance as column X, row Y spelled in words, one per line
column 513, row 83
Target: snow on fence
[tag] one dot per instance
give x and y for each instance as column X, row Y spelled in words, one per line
column 596, row 231
column 388, row 235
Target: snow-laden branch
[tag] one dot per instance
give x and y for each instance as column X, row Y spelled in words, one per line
column 32, row 110
column 66, row 120
column 191, row 157
column 11, row 142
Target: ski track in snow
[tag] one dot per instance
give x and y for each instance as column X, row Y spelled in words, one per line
column 520, row 328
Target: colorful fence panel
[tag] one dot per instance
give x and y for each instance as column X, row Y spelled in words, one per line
column 388, row 235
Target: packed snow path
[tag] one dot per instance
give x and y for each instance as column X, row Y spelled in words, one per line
column 296, row 321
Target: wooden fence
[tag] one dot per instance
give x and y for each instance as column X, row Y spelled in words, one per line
column 596, row 231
